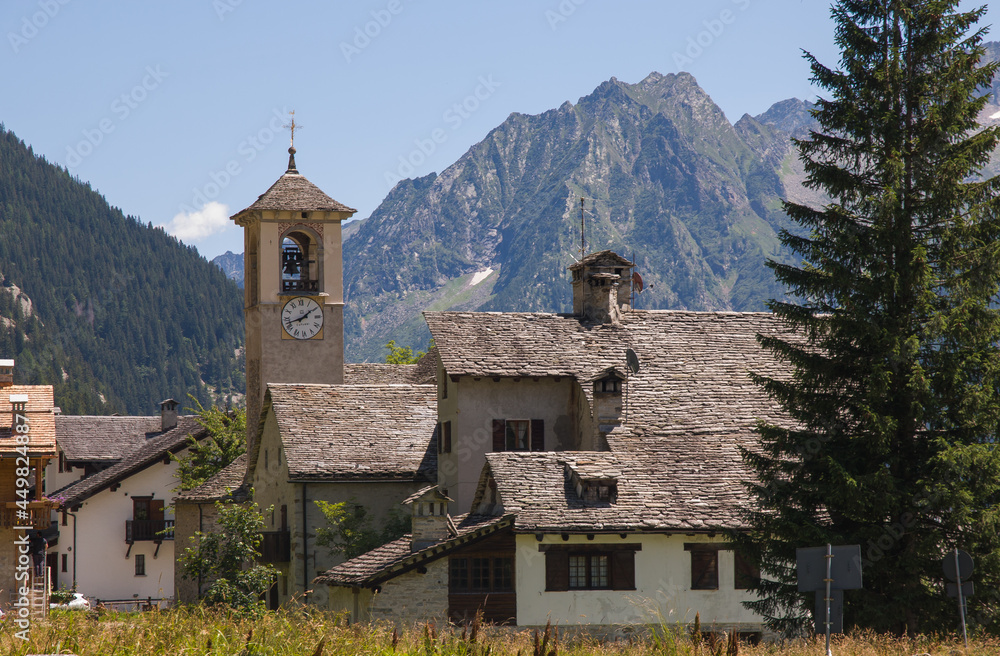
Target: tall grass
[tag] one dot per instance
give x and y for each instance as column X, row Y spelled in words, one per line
column 306, row 632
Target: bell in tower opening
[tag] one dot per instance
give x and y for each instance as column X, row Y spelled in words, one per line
column 299, row 263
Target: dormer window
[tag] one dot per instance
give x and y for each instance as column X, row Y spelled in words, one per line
column 599, row 491
column 608, row 385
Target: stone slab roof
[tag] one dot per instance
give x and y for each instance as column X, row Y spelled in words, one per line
column 41, row 419
column 693, row 365
column 293, row 192
column 84, row 438
column 152, row 452
column 602, row 258
column 669, row 483
column 225, row 485
column 424, row 372
column 355, row 432
column 396, row 557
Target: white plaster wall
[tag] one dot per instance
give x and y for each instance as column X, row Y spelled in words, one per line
column 662, row 594
column 472, row 405
column 56, row 480
column 101, row 568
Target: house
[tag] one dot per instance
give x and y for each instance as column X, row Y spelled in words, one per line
column 27, row 443
column 195, row 511
column 532, row 381
column 592, row 463
column 364, row 445
column 87, row 444
column 116, row 538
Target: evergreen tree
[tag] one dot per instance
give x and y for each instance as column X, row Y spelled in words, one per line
column 892, row 343
column 226, row 442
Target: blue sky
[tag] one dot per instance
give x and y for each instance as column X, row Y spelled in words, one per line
column 173, row 109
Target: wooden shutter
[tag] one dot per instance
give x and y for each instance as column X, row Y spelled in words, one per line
column 499, row 435
column 537, row 434
column 156, row 510
column 623, row 570
column 439, row 440
column 447, row 437
column 556, row 570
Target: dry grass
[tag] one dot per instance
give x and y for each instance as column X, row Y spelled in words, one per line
column 305, row 633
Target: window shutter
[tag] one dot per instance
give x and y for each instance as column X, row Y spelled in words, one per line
column 556, row 570
column 499, row 435
column 447, row 437
column 156, row 510
column 440, row 440
column 623, row 570
column 537, row 434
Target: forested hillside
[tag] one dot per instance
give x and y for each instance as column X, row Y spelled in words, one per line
column 116, row 314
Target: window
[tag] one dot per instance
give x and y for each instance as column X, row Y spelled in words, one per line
column 704, row 566
column 140, row 565
column 482, row 574
column 746, row 574
column 578, row 567
column 588, row 571
column 444, row 437
column 65, row 562
column 518, row 435
column 141, row 508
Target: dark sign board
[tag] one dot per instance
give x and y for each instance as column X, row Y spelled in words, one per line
column 845, row 568
column 836, row 611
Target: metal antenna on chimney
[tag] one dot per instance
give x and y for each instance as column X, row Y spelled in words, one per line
column 583, row 231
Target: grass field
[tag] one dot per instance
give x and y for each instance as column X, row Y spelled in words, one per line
column 200, row 631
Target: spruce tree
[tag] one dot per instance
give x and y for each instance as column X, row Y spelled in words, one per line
column 892, row 347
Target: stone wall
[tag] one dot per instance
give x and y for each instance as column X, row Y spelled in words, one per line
column 414, row 598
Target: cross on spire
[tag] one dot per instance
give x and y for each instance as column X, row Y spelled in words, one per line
column 291, row 126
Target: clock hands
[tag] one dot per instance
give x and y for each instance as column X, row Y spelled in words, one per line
column 304, row 316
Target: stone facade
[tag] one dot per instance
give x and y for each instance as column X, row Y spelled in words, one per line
column 414, row 597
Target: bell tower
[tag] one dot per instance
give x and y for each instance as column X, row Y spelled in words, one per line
column 293, row 288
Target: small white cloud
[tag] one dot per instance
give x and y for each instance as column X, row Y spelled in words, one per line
column 210, row 220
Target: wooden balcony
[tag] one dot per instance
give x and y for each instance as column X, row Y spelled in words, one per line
column 38, row 515
column 275, row 547
column 148, row 530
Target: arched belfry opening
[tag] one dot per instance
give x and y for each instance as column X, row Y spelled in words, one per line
column 300, row 262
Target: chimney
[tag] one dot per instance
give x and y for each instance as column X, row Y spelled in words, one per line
column 601, row 287
column 429, row 520
column 6, row 373
column 168, row 414
column 18, row 408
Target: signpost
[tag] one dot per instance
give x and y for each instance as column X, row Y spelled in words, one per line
column 958, row 567
column 829, row 570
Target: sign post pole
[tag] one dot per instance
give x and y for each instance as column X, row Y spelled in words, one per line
column 961, row 599
column 829, row 594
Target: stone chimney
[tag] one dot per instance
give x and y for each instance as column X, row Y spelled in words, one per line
column 601, row 287
column 18, row 409
column 6, row 373
column 429, row 519
column 168, row 414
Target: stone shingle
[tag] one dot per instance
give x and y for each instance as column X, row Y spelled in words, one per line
column 397, row 556
column 102, row 439
column 293, row 192
column 225, row 485
column 347, row 432
column 154, row 450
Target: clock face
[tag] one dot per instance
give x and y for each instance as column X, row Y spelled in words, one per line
column 302, row 317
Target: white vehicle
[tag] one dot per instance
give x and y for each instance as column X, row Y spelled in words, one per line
column 78, row 602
